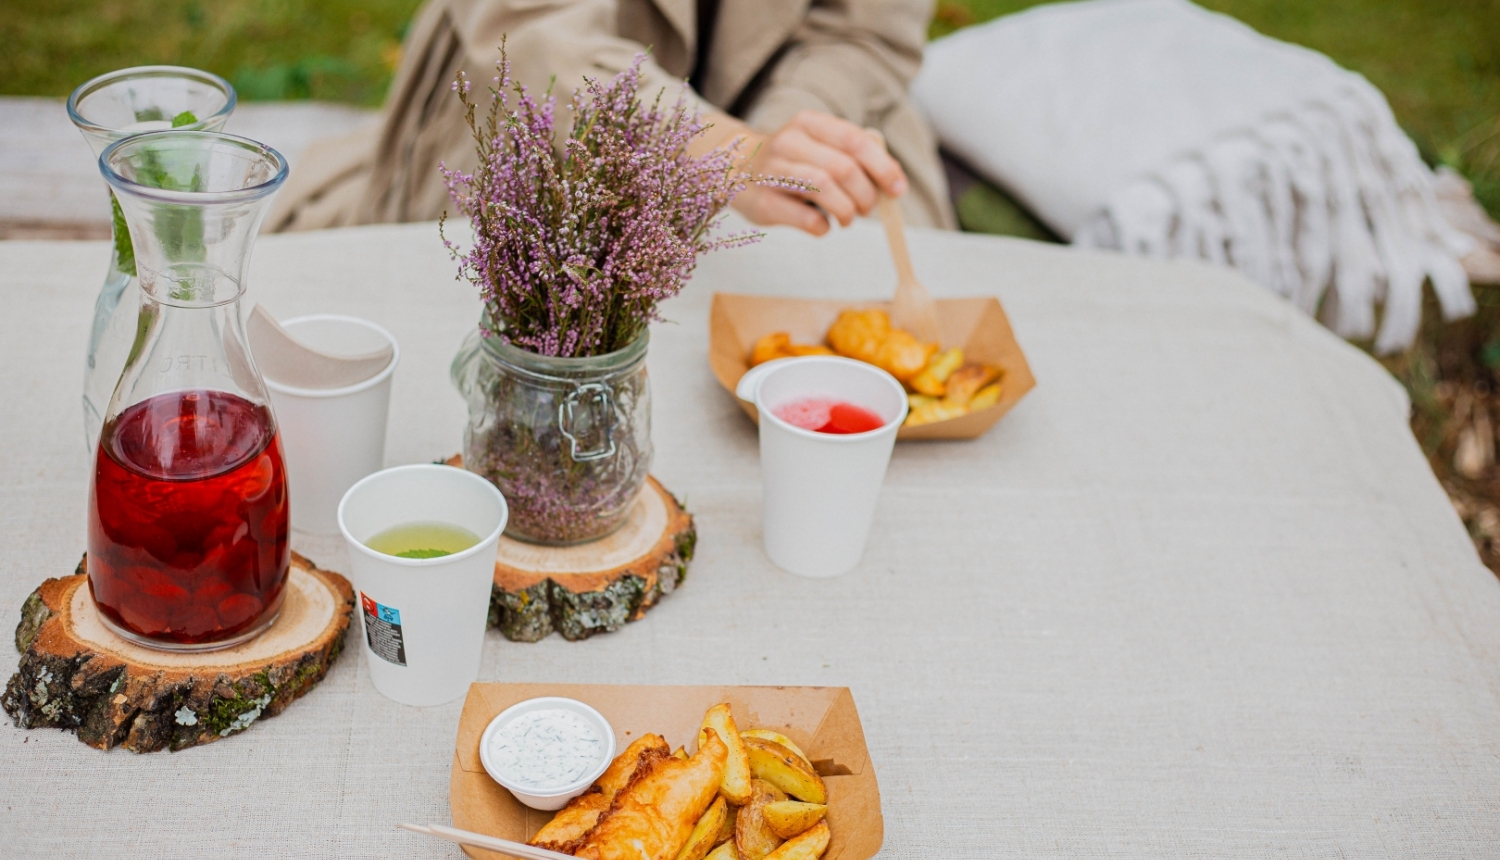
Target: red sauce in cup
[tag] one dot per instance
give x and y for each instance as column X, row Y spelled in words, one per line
column 822, row 415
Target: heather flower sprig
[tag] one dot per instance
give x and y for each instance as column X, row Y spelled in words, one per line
column 576, row 245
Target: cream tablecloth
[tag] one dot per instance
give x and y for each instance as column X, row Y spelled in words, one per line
column 1197, row 596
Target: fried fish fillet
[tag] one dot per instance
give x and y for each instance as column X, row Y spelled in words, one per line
column 779, row 344
column 654, row 815
column 575, row 820
column 773, row 346
column 869, row 337
column 902, row 355
column 858, row 334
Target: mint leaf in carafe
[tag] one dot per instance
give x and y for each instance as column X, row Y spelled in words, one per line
column 124, row 250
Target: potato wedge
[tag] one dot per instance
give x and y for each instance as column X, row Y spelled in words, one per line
column 785, row 769
column 787, row 818
column 726, row 829
column 917, row 401
column 806, row 846
column 986, row 397
column 725, row 851
column 933, row 379
column 965, row 382
column 753, row 839
column 776, row 737
column 701, row 840
column 736, row 785
column 933, row 412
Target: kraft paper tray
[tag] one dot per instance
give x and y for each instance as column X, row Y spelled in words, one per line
column 820, row 720
column 979, row 325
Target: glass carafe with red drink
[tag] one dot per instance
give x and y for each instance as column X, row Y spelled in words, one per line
column 188, row 508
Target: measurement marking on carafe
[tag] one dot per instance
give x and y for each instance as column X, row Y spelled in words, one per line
column 189, row 363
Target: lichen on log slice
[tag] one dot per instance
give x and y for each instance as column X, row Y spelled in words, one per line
column 78, row 676
column 596, row 587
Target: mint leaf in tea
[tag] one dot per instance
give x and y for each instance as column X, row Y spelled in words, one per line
column 423, row 540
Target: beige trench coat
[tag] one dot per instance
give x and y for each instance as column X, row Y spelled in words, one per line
column 768, row 59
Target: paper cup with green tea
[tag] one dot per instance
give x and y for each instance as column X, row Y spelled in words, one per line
column 422, row 543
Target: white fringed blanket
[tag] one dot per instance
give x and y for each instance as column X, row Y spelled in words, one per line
column 1158, row 128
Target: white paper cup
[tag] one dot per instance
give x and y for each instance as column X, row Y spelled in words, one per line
column 423, row 620
column 819, row 489
column 332, row 437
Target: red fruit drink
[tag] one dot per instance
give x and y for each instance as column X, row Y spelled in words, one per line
column 822, row 415
column 188, row 529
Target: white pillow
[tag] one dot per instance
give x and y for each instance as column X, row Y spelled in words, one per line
column 1159, row 128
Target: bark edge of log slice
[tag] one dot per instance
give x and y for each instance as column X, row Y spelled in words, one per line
column 597, row 587
column 77, row 676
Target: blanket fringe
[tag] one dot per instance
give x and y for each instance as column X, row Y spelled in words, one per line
column 1328, row 205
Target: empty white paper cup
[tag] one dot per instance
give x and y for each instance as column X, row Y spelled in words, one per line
column 423, row 620
column 332, row 437
column 819, row 489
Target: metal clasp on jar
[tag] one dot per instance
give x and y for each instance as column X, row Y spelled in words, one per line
column 599, row 412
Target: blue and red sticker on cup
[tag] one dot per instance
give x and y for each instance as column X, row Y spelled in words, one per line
column 383, row 631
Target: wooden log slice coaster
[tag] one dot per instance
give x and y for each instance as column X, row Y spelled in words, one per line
column 76, row 674
column 594, row 587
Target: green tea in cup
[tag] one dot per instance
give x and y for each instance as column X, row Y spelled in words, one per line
column 423, row 540
column 423, row 618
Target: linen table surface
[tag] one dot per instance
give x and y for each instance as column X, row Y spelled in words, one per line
column 1198, row 595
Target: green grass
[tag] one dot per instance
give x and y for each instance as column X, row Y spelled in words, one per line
column 338, row 50
column 1437, row 61
column 983, row 208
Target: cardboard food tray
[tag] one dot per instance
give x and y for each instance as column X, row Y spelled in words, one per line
column 979, row 325
column 821, row 720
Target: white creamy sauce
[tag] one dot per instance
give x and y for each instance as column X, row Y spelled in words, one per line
column 546, row 749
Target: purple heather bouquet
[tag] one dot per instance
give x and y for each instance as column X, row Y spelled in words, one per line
column 576, row 245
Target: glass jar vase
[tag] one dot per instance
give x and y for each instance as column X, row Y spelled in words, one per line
column 566, row 440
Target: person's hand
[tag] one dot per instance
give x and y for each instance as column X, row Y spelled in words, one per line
column 847, row 164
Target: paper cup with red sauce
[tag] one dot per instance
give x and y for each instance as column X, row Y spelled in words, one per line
column 826, row 432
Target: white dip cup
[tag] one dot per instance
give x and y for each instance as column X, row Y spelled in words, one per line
column 423, row 620
column 818, row 489
column 332, row 437
column 553, row 798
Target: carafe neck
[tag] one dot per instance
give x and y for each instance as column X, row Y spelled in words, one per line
column 192, row 202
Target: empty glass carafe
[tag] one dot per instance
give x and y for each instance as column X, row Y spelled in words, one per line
column 106, row 109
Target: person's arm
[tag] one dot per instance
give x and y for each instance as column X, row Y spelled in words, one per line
column 847, row 166
column 559, row 43
column 574, row 39
column 850, row 58
column 846, row 65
